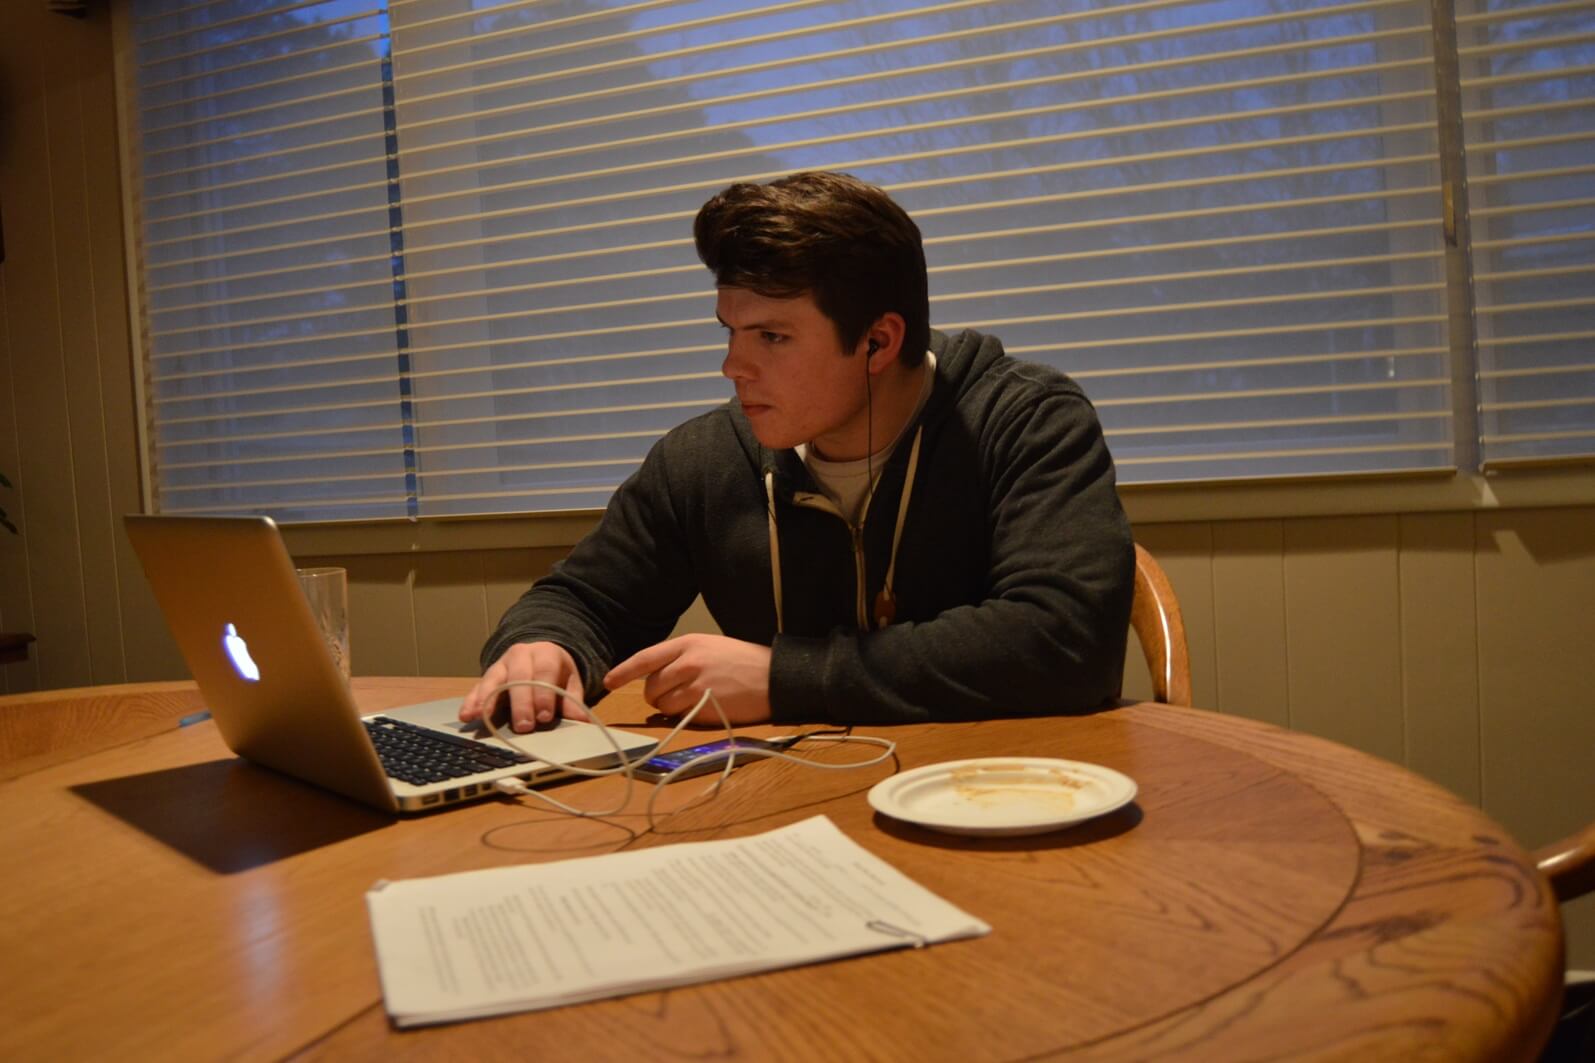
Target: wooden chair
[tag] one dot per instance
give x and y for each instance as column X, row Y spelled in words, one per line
column 1570, row 864
column 1155, row 617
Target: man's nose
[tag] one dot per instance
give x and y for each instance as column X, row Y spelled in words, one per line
column 735, row 367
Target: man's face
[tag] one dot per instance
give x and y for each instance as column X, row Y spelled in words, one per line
column 796, row 383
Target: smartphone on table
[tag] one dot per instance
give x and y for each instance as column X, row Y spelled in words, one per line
column 714, row 754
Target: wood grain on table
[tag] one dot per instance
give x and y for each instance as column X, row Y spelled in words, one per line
column 1266, row 895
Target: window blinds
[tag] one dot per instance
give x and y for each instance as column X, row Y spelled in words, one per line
column 1528, row 96
column 272, row 355
column 1225, row 224
column 1222, row 218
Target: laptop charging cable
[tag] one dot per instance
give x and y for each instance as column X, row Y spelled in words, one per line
column 777, row 750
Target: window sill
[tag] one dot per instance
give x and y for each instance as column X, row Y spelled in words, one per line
column 1146, row 504
column 1373, row 495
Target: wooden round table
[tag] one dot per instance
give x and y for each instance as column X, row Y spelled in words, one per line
column 1267, row 895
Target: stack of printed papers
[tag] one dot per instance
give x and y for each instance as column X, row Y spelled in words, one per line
column 518, row 938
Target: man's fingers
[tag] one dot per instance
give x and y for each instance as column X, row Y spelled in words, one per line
column 571, row 706
column 547, row 702
column 633, row 667
column 643, row 662
column 477, row 700
column 676, row 700
column 667, row 680
column 536, row 704
column 522, row 711
column 539, row 671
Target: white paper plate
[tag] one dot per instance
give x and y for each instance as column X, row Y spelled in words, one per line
column 1002, row 795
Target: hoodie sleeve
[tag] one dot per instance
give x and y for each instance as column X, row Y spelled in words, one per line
column 1048, row 637
column 622, row 588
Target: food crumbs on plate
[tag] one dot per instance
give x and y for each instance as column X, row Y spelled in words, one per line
column 1053, row 787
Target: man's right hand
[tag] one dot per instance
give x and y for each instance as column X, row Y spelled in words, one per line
column 528, row 706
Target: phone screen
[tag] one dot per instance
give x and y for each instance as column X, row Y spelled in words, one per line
column 665, row 763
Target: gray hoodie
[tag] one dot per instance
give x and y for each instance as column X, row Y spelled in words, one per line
column 1013, row 574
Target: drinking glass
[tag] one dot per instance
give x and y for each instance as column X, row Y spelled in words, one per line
column 327, row 591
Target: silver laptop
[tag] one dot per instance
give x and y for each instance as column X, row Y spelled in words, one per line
column 228, row 590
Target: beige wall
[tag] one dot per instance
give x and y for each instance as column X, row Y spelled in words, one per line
column 1453, row 642
column 67, row 435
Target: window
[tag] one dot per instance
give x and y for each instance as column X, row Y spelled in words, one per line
column 271, row 261
column 1528, row 84
column 434, row 259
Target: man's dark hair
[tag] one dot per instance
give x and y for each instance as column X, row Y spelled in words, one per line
column 842, row 241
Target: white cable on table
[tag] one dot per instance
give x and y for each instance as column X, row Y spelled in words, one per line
column 515, row 787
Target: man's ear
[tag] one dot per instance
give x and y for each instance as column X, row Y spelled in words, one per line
column 883, row 341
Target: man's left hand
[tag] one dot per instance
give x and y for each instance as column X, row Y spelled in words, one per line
column 679, row 670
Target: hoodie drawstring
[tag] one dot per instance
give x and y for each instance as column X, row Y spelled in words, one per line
column 775, row 546
column 886, row 601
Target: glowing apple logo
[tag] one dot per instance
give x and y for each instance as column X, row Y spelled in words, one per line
column 238, row 652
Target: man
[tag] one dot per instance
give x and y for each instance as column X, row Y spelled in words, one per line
column 888, row 524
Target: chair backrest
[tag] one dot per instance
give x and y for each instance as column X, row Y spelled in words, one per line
column 1155, row 617
column 1570, row 864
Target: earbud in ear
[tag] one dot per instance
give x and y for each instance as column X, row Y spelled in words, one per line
column 874, row 345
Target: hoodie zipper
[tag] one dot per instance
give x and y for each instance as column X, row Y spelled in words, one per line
column 823, row 503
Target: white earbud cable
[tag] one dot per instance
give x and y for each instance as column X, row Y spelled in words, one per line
column 625, row 763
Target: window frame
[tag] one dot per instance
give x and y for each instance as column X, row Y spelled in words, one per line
column 1543, row 483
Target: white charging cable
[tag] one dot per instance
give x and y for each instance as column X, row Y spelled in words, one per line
column 515, row 787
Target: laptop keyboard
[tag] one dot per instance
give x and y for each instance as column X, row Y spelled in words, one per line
column 420, row 756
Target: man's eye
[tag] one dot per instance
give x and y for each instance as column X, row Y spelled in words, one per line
column 771, row 337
